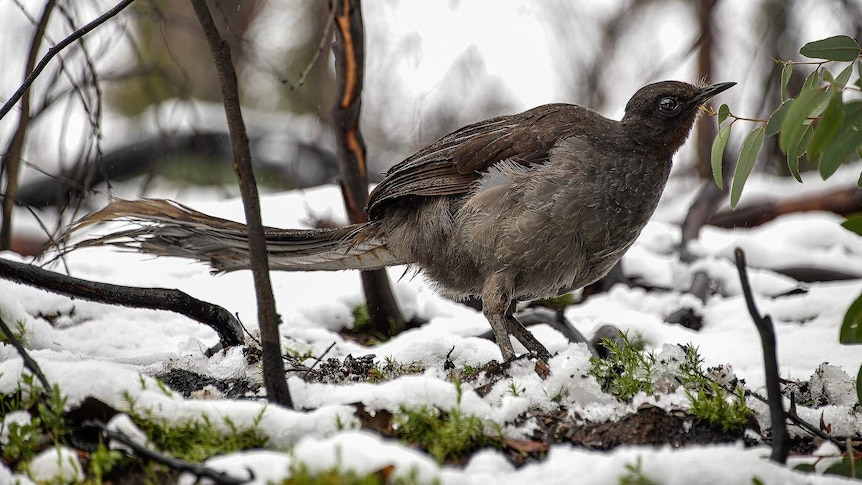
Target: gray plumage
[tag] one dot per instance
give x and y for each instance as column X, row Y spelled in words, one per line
column 511, row 208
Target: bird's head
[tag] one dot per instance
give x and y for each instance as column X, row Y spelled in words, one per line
column 663, row 113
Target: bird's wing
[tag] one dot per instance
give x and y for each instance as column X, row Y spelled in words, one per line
column 452, row 164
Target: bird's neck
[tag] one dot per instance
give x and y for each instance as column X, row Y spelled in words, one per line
column 661, row 141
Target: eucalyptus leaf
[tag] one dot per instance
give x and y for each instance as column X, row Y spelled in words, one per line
column 747, row 156
column 723, row 113
column 796, row 151
column 859, row 385
column 854, row 224
column 786, row 73
column 806, row 104
column 837, row 48
column 812, row 81
column 851, row 327
column 842, row 146
column 773, row 126
column 853, row 113
column 828, row 126
column 717, row 154
column 847, row 466
column 844, row 76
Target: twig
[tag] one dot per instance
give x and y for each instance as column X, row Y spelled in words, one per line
column 94, row 114
column 327, row 32
column 55, row 49
column 318, row 359
column 780, row 437
column 29, row 363
column 273, row 365
column 172, row 300
column 814, row 430
column 196, row 469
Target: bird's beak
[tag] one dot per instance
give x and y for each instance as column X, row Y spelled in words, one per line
column 708, row 92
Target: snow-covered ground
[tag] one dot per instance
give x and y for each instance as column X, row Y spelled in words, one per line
column 102, row 351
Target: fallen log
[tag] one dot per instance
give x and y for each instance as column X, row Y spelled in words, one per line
column 841, row 201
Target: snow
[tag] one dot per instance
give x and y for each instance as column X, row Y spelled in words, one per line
column 56, row 465
column 110, row 352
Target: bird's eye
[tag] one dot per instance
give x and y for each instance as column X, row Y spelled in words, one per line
column 669, row 106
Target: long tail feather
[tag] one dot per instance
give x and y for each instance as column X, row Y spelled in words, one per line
column 167, row 228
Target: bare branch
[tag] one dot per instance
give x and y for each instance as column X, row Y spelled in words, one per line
column 196, row 469
column 28, row 361
column 56, row 49
column 327, row 33
column 780, row 437
column 214, row 316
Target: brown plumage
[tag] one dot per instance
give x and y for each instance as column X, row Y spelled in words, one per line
column 511, row 208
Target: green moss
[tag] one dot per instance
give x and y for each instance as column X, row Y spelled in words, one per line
column 444, row 435
column 627, row 370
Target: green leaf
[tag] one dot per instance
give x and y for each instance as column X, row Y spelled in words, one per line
column 717, row 154
column 794, row 123
column 838, row 48
column 844, row 468
column 747, row 156
column 842, row 146
column 854, row 224
column 812, row 81
column 786, row 73
column 777, row 116
column 859, row 386
column 723, row 113
column 797, row 150
column 853, row 113
column 851, row 328
column 827, row 127
column 859, row 184
column 844, row 76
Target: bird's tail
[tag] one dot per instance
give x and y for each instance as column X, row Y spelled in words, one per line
column 166, row 228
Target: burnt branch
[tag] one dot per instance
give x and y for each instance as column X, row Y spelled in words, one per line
column 29, row 363
column 196, row 469
column 349, row 51
column 268, row 320
column 780, row 437
column 214, row 316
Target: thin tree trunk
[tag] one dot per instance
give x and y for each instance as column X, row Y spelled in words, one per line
column 349, row 50
column 273, row 365
column 12, row 157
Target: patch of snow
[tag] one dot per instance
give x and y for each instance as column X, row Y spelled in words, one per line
column 56, row 465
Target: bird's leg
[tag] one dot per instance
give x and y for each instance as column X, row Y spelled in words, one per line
column 524, row 336
column 495, row 304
